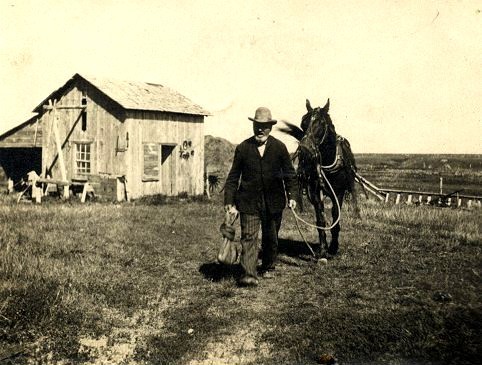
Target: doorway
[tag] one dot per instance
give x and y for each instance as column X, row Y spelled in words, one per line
column 168, row 169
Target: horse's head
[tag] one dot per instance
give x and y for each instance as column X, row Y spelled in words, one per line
column 316, row 123
column 317, row 133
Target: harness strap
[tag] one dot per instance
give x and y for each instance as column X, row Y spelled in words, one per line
column 338, row 162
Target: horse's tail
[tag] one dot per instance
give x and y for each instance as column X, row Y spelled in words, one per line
column 351, row 165
column 347, row 153
column 351, row 190
column 348, row 161
column 291, row 130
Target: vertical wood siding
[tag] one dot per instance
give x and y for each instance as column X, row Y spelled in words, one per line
column 102, row 131
column 107, row 128
column 169, row 129
column 28, row 134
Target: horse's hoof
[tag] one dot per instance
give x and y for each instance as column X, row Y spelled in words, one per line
column 323, row 261
column 330, row 256
column 320, row 254
column 308, row 258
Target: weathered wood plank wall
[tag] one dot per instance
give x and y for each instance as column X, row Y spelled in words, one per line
column 166, row 129
column 102, row 130
column 69, row 128
column 110, row 130
column 28, row 134
column 116, row 139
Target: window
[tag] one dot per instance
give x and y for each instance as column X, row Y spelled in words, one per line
column 83, row 158
column 151, row 161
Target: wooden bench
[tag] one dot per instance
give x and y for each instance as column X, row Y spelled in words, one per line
column 38, row 191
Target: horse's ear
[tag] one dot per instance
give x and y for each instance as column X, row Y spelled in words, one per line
column 308, row 105
column 327, row 105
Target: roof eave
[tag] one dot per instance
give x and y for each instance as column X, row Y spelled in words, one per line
column 18, row 127
column 203, row 113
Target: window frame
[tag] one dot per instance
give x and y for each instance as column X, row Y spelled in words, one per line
column 80, row 156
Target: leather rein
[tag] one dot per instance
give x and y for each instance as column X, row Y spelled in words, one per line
column 332, row 168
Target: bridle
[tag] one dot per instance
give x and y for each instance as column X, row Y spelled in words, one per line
column 315, row 146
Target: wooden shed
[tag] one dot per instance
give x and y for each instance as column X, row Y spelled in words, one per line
column 146, row 138
column 21, row 151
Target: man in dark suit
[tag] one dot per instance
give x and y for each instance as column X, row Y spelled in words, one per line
column 261, row 176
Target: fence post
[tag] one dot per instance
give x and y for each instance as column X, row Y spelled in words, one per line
column 459, row 202
column 10, row 186
column 397, row 201
column 429, row 199
column 36, row 192
column 386, row 198
column 409, row 199
column 207, row 184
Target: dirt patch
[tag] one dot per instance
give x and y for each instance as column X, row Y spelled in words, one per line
column 243, row 346
column 105, row 353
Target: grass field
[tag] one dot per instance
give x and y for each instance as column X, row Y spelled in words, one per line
column 136, row 283
column 415, row 172
column 423, row 172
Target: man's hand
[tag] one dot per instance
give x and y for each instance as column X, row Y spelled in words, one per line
column 230, row 208
column 292, row 204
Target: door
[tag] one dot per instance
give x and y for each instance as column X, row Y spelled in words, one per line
column 168, row 169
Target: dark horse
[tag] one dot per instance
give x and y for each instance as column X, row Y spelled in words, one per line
column 326, row 166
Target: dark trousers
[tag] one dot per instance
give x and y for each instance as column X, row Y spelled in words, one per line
column 270, row 224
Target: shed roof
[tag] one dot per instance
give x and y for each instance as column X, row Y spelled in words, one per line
column 25, row 135
column 135, row 95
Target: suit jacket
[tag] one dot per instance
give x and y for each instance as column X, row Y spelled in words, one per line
column 252, row 176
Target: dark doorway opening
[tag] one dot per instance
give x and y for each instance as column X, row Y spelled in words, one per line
column 16, row 163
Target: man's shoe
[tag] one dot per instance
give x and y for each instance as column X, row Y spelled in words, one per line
column 248, row 281
column 269, row 274
column 263, row 268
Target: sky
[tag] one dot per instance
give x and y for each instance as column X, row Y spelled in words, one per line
column 401, row 76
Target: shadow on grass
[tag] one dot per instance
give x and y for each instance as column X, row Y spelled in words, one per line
column 186, row 330
column 217, row 272
column 293, row 248
column 37, row 311
column 415, row 335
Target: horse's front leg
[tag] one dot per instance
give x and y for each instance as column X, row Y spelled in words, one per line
column 317, row 201
column 335, row 231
